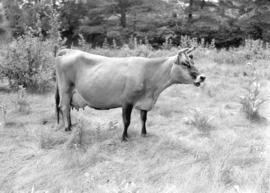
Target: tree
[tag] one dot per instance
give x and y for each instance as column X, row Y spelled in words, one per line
column 190, row 7
column 4, row 29
column 14, row 15
column 71, row 14
column 252, row 17
column 123, row 5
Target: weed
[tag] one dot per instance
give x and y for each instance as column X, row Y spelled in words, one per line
column 252, row 102
column 21, row 103
column 200, row 120
column 4, row 113
column 113, row 125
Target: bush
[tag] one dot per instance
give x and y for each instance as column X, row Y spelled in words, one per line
column 29, row 62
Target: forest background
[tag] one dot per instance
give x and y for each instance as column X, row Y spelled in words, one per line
column 226, row 22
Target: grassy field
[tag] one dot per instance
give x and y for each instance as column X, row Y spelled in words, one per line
column 199, row 141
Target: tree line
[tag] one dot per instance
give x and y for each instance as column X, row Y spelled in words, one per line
column 228, row 22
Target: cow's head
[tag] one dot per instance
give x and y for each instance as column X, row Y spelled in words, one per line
column 184, row 71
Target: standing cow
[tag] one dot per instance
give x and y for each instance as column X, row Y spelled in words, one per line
column 85, row 79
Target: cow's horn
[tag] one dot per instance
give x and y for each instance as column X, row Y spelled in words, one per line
column 191, row 49
column 183, row 50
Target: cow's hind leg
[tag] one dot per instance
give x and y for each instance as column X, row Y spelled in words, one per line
column 65, row 108
column 126, row 113
column 143, row 120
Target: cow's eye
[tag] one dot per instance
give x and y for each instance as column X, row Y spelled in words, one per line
column 186, row 64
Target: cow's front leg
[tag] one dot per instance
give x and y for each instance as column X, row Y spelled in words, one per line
column 126, row 113
column 65, row 107
column 143, row 120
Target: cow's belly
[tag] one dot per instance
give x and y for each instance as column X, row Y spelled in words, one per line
column 102, row 89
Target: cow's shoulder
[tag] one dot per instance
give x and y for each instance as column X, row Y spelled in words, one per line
column 74, row 57
column 63, row 52
column 90, row 58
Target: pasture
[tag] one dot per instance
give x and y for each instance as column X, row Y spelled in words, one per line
column 199, row 139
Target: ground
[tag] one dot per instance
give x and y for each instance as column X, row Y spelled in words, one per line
column 199, row 140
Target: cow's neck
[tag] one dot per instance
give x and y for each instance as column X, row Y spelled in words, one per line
column 161, row 76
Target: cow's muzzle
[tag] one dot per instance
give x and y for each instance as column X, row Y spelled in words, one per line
column 200, row 79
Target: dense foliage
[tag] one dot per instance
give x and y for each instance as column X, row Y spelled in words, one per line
column 229, row 22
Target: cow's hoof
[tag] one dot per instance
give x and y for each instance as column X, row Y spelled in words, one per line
column 67, row 129
column 124, row 139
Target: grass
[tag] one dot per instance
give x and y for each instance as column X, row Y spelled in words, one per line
column 36, row 155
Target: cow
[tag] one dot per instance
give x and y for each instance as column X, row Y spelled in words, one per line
column 99, row 82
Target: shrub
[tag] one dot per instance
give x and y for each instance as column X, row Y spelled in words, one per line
column 29, row 62
column 251, row 102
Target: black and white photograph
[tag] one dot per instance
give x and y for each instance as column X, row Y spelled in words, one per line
column 134, row 96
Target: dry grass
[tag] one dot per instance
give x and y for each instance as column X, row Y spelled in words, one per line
column 36, row 155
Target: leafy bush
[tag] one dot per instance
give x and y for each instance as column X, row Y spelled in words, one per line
column 29, row 62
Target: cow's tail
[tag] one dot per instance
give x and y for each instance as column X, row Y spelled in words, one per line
column 57, row 102
column 55, row 49
column 57, row 96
